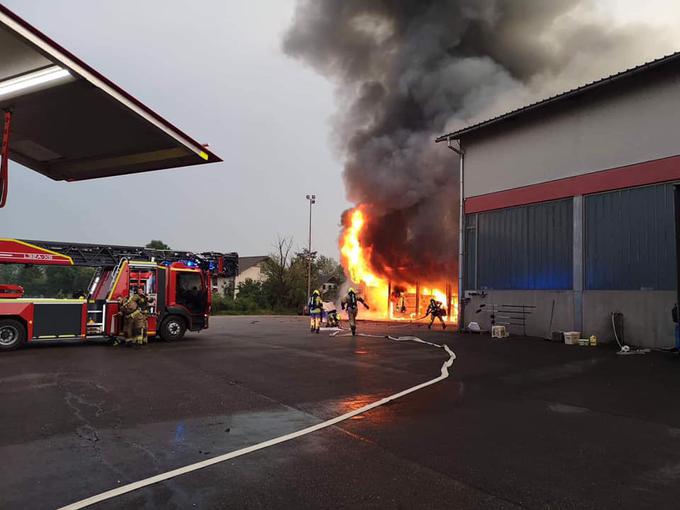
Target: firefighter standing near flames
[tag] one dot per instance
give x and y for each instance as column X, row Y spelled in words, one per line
column 435, row 311
column 315, row 308
column 351, row 303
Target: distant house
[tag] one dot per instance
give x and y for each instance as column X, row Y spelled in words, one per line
column 250, row 268
column 223, row 284
column 330, row 285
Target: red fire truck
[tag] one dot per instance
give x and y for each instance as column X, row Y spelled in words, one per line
column 179, row 283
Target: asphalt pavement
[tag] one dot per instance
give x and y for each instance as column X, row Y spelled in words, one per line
column 521, row 423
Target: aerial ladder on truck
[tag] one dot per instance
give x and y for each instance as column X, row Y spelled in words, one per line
column 180, row 283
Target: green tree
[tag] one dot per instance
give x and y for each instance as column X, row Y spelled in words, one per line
column 32, row 279
column 63, row 282
column 8, row 273
column 284, row 289
column 286, row 284
column 327, row 268
column 323, row 268
column 297, row 293
column 277, row 286
column 157, row 244
column 253, row 291
column 47, row 281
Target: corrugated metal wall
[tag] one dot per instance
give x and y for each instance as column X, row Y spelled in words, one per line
column 524, row 248
column 470, row 269
column 630, row 239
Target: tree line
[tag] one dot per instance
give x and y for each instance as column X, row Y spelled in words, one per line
column 47, row 281
column 284, row 289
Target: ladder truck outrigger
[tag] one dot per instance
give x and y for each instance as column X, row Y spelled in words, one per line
column 180, row 284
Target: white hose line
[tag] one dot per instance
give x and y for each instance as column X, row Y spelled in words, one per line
column 119, row 491
column 364, row 334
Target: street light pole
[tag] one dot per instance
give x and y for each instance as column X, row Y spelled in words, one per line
column 312, row 200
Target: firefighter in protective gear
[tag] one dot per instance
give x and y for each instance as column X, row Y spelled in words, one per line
column 315, row 309
column 351, row 303
column 330, row 314
column 435, row 311
column 141, row 322
column 128, row 309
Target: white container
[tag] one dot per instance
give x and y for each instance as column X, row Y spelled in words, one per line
column 499, row 332
column 572, row 337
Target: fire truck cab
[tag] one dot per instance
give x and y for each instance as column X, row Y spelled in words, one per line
column 179, row 284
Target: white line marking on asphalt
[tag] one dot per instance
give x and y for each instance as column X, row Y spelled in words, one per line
column 118, row 491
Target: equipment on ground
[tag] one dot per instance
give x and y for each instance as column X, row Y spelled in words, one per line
column 179, row 283
column 508, row 315
column 617, row 327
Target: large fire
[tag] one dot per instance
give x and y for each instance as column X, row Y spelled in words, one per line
column 389, row 300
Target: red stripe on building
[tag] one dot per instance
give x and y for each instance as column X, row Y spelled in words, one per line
column 650, row 172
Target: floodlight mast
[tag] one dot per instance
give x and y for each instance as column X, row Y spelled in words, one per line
column 312, row 201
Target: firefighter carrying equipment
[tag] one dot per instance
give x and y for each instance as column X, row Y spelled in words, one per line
column 435, row 311
column 350, row 302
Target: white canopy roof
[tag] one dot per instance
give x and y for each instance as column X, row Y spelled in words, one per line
column 71, row 123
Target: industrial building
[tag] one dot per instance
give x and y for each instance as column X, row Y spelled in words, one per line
column 569, row 208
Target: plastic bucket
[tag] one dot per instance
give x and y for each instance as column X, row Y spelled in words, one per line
column 572, row 337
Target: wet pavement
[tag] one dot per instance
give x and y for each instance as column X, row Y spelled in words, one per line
column 521, row 423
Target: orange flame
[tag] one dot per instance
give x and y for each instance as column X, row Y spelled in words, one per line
column 356, row 259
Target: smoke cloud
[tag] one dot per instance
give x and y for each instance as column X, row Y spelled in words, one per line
column 409, row 70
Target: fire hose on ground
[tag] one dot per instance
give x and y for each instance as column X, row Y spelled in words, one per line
column 119, row 491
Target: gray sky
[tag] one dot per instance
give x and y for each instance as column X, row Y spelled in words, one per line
column 218, row 73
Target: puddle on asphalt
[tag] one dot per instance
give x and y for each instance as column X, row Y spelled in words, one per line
column 353, row 403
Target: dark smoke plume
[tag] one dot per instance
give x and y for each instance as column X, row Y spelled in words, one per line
column 408, row 70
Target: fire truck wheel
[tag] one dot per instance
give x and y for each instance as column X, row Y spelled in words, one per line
column 12, row 334
column 173, row 328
